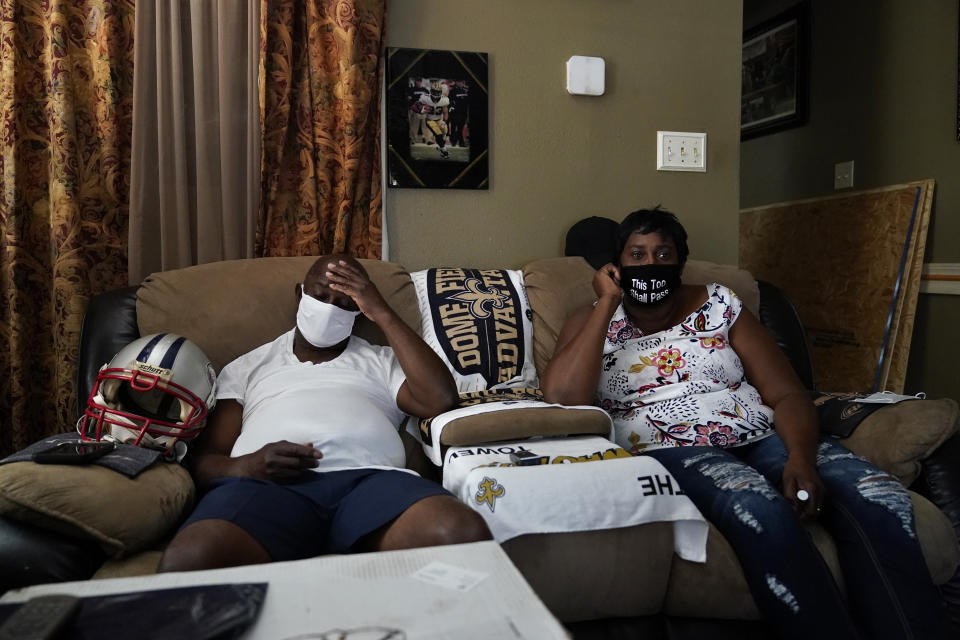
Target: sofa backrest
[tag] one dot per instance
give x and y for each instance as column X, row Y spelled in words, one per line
column 233, row 306
column 228, row 308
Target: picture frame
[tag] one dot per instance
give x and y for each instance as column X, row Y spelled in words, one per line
column 775, row 73
column 436, row 119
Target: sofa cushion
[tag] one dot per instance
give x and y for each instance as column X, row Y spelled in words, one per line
column 938, row 541
column 123, row 514
column 557, row 287
column 143, row 563
column 228, row 308
column 740, row 280
column 898, row 437
column 587, row 575
column 715, row 589
column 718, row 588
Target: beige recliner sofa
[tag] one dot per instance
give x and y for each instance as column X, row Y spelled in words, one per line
column 230, row 307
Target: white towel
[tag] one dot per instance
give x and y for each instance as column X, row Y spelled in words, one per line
column 611, row 489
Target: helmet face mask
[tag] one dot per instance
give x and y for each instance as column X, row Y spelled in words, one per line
column 155, row 393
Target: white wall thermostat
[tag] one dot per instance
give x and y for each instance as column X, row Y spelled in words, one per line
column 585, row 76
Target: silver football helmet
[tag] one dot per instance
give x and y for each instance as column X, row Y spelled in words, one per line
column 155, row 393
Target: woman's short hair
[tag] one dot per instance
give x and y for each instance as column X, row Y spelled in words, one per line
column 650, row 221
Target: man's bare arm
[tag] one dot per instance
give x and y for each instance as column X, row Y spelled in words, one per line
column 429, row 388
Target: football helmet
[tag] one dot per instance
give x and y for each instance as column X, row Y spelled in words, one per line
column 436, row 90
column 155, row 393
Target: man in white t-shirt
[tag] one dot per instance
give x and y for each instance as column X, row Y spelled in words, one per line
column 302, row 454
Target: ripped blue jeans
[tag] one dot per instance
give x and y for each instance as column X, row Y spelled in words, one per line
column 869, row 515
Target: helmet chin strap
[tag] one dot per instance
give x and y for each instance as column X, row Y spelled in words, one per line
column 98, row 399
column 178, row 451
column 173, row 449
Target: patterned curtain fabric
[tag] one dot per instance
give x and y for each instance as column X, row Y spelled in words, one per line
column 66, row 87
column 320, row 67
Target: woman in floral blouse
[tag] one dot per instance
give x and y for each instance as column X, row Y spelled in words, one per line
column 691, row 378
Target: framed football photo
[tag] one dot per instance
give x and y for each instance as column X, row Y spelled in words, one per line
column 437, row 119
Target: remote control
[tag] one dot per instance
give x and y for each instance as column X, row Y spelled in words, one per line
column 39, row 618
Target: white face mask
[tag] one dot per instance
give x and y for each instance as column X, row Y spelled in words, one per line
column 323, row 324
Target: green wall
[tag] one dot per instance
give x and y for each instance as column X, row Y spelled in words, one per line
column 883, row 93
column 556, row 158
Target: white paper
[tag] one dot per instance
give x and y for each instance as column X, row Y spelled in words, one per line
column 887, row 397
column 449, row 576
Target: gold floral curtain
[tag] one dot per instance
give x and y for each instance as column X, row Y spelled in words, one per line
column 66, row 79
column 320, row 67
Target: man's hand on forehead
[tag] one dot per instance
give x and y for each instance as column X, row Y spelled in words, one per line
column 350, row 279
column 343, row 276
column 343, row 267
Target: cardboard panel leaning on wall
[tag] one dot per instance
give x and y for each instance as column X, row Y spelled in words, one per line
column 891, row 106
column 838, row 259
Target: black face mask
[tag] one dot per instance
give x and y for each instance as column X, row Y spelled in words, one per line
column 650, row 284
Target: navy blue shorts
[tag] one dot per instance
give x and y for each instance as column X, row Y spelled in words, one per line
column 326, row 513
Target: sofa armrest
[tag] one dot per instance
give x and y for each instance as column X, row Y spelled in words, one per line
column 109, row 324
column 32, row 555
column 939, row 482
column 781, row 319
column 939, row 479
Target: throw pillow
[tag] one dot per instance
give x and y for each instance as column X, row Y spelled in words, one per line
column 894, row 437
column 480, row 324
column 124, row 515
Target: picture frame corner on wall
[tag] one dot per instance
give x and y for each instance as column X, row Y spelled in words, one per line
column 775, row 68
column 436, row 119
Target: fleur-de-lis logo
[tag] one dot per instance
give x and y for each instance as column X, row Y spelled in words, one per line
column 488, row 491
column 850, row 410
column 481, row 299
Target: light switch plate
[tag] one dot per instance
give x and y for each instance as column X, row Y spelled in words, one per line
column 843, row 175
column 681, row 151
